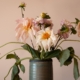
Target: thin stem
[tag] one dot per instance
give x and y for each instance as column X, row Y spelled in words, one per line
column 61, row 47
column 8, row 73
column 32, row 43
column 67, row 40
column 76, row 56
column 23, row 59
column 11, row 43
column 57, row 42
column 22, row 12
column 10, row 52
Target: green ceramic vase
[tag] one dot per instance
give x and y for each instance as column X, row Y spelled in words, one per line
column 41, row 69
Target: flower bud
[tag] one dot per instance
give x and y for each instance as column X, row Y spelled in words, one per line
column 43, row 15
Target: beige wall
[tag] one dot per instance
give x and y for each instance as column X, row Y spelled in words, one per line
column 58, row 9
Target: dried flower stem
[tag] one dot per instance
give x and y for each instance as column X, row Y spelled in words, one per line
column 76, row 56
column 22, row 12
column 23, row 59
column 8, row 73
column 11, row 43
column 57, row 42
column 11, row 51
column 32, row 43
column 67, row 40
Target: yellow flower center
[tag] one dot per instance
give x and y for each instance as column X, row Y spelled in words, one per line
column 45, row 35
column 27, row 27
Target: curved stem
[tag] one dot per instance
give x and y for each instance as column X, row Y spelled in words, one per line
column 10, row 52
column 67, row 40
column 11, row 43
column 8, row 73
column 23, row 59
column 61, row 47
column 76, row 56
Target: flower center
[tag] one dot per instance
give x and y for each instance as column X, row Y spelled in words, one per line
column 45, row 35
column 27, row 27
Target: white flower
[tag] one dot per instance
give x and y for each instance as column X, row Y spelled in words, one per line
column 45, row 39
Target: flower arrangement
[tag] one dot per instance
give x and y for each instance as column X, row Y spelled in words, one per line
column 47, row 43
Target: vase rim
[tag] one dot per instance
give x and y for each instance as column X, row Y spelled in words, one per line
column 39, row 60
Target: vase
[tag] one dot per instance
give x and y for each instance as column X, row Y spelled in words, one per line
column 40, row 69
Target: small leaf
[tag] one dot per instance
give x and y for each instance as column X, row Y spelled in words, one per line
column 77, row 20
column 9, row 56
column 64, row 56
column 15, row 71
column 76, row 69
column 22, row 68
column 51, row 54
column 34, row 53
column 14, row 56
column 73, row 30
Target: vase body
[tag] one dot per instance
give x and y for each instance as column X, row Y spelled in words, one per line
column 41, row 69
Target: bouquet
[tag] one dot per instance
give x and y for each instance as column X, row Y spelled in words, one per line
column 40, row 30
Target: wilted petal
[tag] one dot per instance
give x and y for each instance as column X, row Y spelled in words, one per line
column 23, row 27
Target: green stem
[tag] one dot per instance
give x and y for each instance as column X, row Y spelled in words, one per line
column 11, row 43
column 23, row 59
column 22, row 12
column 67, row 40
column 76, row 56
column 57, row 42
column 10, row 52
column 61, row 47
column 8, row 73
column 32, row 43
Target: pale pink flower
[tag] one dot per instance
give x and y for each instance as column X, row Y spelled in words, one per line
column 64, row 35
column 39, row 23
column 67, row 23
column 23, row 29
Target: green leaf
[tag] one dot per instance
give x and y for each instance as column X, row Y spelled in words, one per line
column 9, row 56
column 64, row 28
column 16, row 77
column 22, row 68
column 34, row 53
column 77, row 20
column 69, row 60
column 73, row 30
column 76, row 69
column 15, row 72
column 14, row 56
column 51, row 54
column 64, row 56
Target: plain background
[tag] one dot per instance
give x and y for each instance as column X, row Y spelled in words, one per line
column 57, row 9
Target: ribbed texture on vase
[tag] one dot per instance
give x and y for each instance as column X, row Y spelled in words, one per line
column 41, row 70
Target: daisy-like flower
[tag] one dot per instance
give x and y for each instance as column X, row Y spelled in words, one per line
column 24, row 29
column 45, row 39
